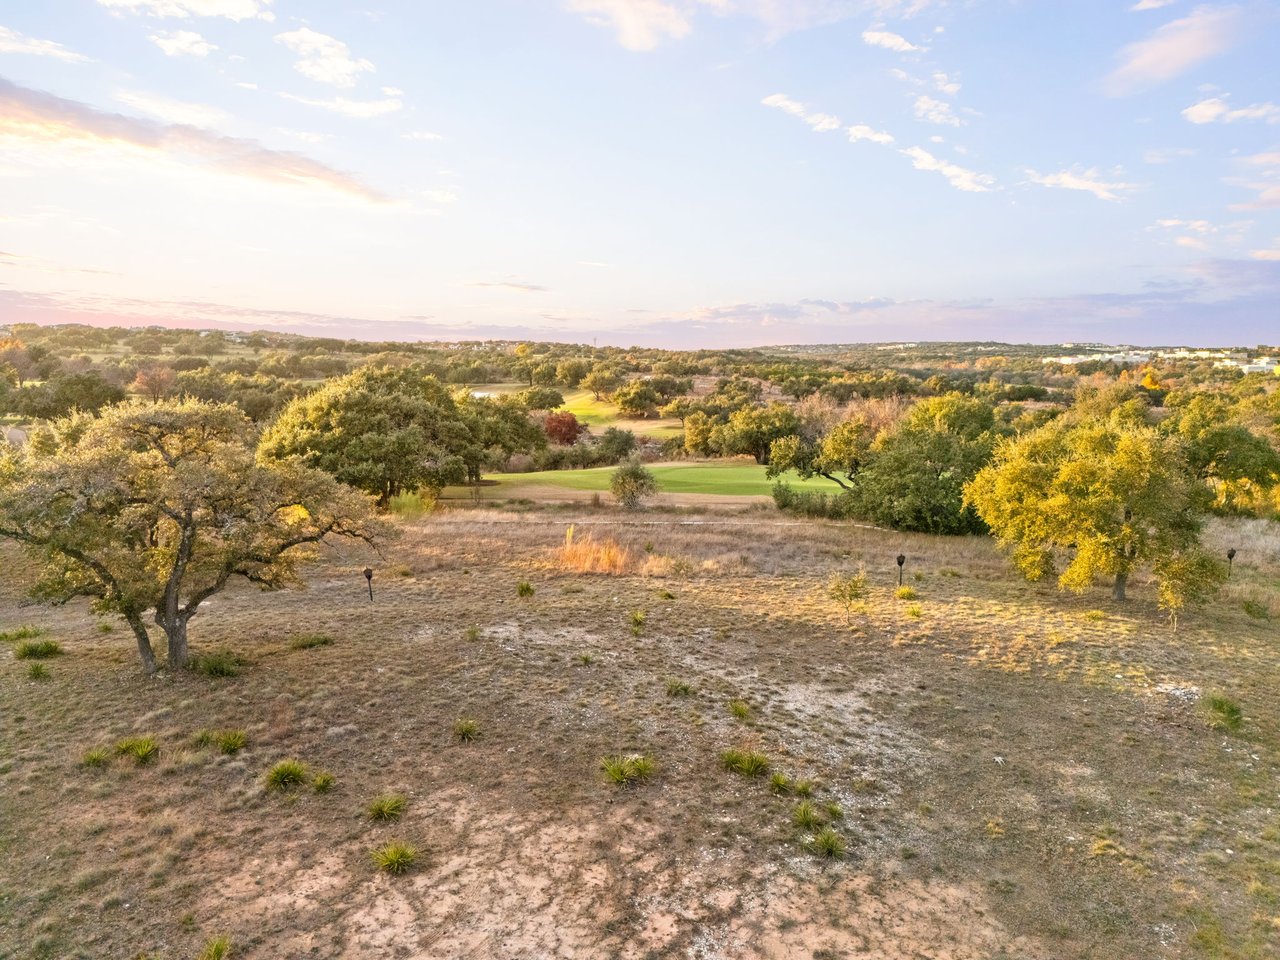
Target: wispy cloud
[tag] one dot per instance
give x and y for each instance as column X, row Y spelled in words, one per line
column 42, row 118
column 1269, row 253
column 929, row 110
column 522, row 286
column 1217, row 110
column 1162, row 155
column 945, row 84
column 1152, row 4
column 179, row 43
column 360, row 109
column 174, row 111
column 425, row 136
column 236, row 10
column 861, row 131
column 820, row 122
column 1088, row 181
column 1262, row 175
column 638, row 24
column 323, row 58
column 960, row 178
column 13, row 42
column 1173, row 49
column 890, row 41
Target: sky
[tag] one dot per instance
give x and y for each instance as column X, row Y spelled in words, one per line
column 674, row 173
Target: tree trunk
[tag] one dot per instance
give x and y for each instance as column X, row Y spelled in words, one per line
column 176, row 631
column 1117, row 592
column 144, row 643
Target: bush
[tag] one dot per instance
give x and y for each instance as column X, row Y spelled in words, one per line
column 746, row 762
column 632, row 484
column 387, row 807
column 142, row 749
column 220, row 663
column 637, row 620
column 740, row 709
column 1257, row 610
column 307, row 641
column 524, row 589
column 466, row 730
column 287, row 774
column 809, row 503
column 472, row 633
column 628, row 769
column 37, row 649
column 395, row 858
column 780, row 784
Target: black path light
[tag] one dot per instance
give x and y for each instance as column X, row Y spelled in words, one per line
column 368, row 575
column 1231, row 557
column 902, row 560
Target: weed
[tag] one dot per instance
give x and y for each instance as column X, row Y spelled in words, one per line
column 1257, row 610
column 37, row 649
column 806, row 816
column 105, row 628
column 835, row 811
column 586, row 659
column 219, row 948
column 637, row 620
column 749, row 763
column 21, row 633
column 389, row 806
column 827, row 843
column 678, row 688
column 395, row 858
column 306, row 641
column 666, row 595
column 740, row 709
column 220, row 663
column 38, row 671
column 906, row 593
column 625, row 769
column 847, row 589
column 780, row 784
column 466, row 730
column 322, row 782
column 802, row 788
column 287, row 774
column 230, row 742
column 1224, row 714
column 524, row 589
column 1096, row 616
column 97, row 757
column 915, row 610
column 472, row 633
column 203, row 738
column 142, row 749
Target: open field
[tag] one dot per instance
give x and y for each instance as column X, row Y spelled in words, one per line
column 1016, row 772
column 599, row 415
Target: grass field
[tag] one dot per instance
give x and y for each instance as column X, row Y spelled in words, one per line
column 599, row 415
column 733, row 478
column 1006, row 771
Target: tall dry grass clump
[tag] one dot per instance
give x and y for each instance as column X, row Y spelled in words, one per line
column 588, row 555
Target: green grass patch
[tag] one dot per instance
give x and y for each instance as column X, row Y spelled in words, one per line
column 740, row 709
column 678, row 688
column 25, row 632
column 97, row 757
column 141, row 749
column 466, row 729
column 38, row 671
column 395, row 858
column 1224, row 714
column 308, row 641
column 218, row 948
column 625, row 769
column 323, row 781
column 387, row 807
column 219, row 663
column 749, row 763
column 287, row 774
column 828, row 843
column 37, row 649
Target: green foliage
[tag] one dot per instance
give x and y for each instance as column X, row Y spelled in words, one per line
column 394, row 858
column 308, row 641
column 1257, row 610
column 466, row 730
column 97, row 757
column 287, row 774
column 142, row 749
column 218, row 948
column 780, row 783
column 37, row 649
column 524, row 589
column 632, row 484
column 753, row 430
column 637, row 620
column 812, row 503
column 220, row 663
column 740, row 709
column 389, row 806
column 625, row 769
column 26, row 632
column 828, row 843
column 230, row 742
column 905, row 593
column 1224, row 714
column 678, row 688
column 749, row 763
column 472, row 633
column 323, row 781
column 802, row 788
column 636, row 398
column 914, row 610
column 1190, row 578
column 38, row 671
column 848, row 589
column 806, row 816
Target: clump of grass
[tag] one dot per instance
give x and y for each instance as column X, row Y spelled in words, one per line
column 323, row 781
column 38, row 671
column 586, row 659
column 230, row 742
column 848, row 589
column 587, row 555
column 466, row 729
column 97, row 757
column 835, row 811
column 524, row 589
column 1257, row 610
column 37, row 649
column 472, row 633
column 827, row 843
column 395, row 858
column 1224, row 714
column 220, row 663
column 806, row 816
column 637, row 620
column 625, row 769
column 387, row 807
column 219, row 948
column 287, row 774
column 749, row 763
column 106, row 627
column 678, row 688
column 142, row 749
column 780, row 784
column 802, row 788
column 740, row 709
column 915, row 610
column 1096, row 616
column 25, row 632
column 906, row 593
column 308, row 641
column 203, row 738
column 666, row 595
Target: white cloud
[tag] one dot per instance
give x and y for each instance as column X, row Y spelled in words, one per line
column 1217, row 109
column 421, row 135
column 890, row 41
column 1270, row 254
column 392, row 92
column 1152, row 4
column 183, row 42
column 936, row 111
column 236, row 10
column 820, row 122
column 958, row 177
column 447, row 195
column 639, row 24
column 361, row 109
column 1173, row 49
column 246, row 85
column 1166, row 154
column 174, row 111
column 1086, row 180
column 861, row 131
column 945, row 84
column 323, row 58
column 1263, row 178
column 13, row 42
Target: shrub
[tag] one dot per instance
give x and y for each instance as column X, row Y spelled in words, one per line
column 629, row 768
column 740, row 709
column 322, row 782
column 587, row 555
column 632, row 484
column 97, row 757
column 21, row 633
column 807, row 503
column 389, row 806
column 827, row 843
column 220, row 663
column 306, row 641
column 412, row 506
column 524, row 589
column 288, row 774
column 219, row 948
column 678, row 688
column 231, row 742
column 37, row 649
column 142, row 749
column 38, row 671
column 749, row 763
column 1224, row 714
column 395, row 858
column 847, row 589
column 466, row 730
column 905, row 593
column 805, row 815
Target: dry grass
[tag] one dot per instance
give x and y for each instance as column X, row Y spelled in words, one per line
column 585, row 554
column 1007, row 775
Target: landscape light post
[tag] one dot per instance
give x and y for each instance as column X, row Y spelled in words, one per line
column 368, row 575
column 901, row 562
column 1231, row 556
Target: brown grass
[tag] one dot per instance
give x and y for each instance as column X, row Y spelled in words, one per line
column 585, row 554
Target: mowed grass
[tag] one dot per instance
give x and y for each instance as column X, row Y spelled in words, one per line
column 1008, row 775
column 599, row 415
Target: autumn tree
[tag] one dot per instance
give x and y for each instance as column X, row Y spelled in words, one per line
column 156, row 507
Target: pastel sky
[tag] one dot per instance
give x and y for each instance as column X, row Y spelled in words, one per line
column 684, row 173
